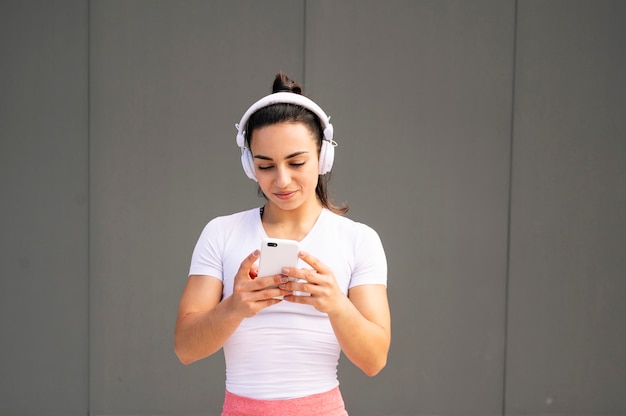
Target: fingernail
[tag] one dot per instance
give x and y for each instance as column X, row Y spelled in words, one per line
column 285, row 271
column 256, row 252
column 284, row 278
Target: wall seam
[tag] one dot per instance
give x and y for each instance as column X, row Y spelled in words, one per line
column 509, row 214
column 89, row 314
column 304, row 17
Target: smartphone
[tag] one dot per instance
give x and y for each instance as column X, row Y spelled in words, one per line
column 277, row 253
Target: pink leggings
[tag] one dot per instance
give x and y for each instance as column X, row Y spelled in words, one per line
column 323, row 404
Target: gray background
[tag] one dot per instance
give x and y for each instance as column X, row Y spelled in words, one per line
column 484, row 140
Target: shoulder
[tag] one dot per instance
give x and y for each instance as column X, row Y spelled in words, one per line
column 229, row 220
column 348, row 226
column 226, row 225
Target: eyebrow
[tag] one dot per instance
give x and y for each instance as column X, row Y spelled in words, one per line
column 287, row 157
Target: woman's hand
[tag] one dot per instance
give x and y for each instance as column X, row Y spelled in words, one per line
column 251, row 294
column 205, row 321
column 361, row 320
column 321, row 284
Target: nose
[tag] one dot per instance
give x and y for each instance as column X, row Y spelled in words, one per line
column 283, row 177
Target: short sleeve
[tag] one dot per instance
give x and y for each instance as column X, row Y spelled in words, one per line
column 207, row 254
column 370, row 261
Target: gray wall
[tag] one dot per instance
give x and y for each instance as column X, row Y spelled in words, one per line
column 484, row 140
column 566, row 338
column 44, row 203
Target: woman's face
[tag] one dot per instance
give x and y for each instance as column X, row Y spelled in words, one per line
column 286, row 164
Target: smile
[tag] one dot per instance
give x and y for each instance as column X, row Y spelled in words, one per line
column 284, row 195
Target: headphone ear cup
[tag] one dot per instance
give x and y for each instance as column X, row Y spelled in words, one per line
column 248, row 163
column 327, row 156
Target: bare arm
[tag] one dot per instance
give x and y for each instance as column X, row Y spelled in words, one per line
column 362, row 325
column 204, row 323
column 361, row 321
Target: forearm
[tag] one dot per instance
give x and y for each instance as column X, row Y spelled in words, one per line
column 364, row 342
column 200, row 334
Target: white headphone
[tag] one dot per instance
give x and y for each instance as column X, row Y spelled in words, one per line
column 327, row 150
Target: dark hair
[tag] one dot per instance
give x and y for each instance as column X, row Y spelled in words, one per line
column 292, row 113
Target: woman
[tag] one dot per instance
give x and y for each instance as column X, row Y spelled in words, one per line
column 281, row 354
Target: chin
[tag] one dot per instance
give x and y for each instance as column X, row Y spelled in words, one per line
column 287, row 205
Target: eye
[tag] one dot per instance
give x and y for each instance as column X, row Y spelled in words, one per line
column 261, row 167
column 298, row 164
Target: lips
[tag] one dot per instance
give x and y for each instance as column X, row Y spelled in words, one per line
column 284, row 195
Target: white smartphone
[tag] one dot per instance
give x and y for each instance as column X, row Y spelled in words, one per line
column 277, row 253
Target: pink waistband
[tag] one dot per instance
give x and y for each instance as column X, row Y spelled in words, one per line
column 326, row 404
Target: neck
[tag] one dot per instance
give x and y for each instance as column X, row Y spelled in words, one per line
column 290, row 224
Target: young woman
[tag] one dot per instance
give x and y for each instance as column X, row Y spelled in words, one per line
column 281, row 354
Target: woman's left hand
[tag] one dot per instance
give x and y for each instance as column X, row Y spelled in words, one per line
column 325, row 294
column 361, row 322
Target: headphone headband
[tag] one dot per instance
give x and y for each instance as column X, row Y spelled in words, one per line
column 327, row 150
column 284, row 98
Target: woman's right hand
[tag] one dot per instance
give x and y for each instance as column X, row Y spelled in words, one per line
column 205, row 321
column 251, row 294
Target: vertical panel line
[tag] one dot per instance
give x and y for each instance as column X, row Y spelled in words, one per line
column 509, row 214
column 89, row 207
column 304, row 44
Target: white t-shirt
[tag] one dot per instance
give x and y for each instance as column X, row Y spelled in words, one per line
column 287, row 350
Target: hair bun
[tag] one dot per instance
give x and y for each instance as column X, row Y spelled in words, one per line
column 282, row 83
